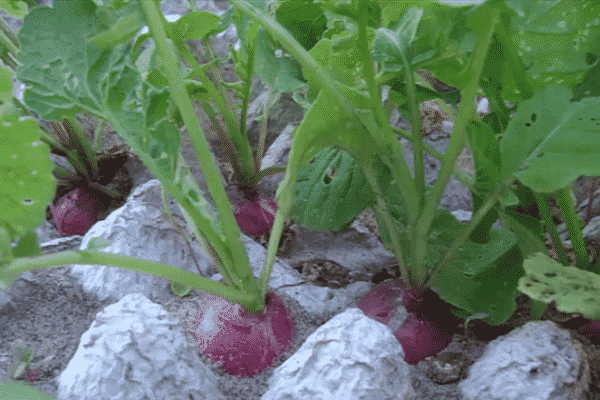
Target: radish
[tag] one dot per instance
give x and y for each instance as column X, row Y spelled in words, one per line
column 421, row 338
column 592, row 331
column 244, row 344
column 381, row 301
column 77, row 212
column 255, row 214
column 426, row 331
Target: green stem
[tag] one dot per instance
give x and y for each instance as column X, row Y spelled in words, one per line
column 225, row 140
column 459, row 173
column 163, row 194
column 322, row 77
column 285, row 202
column 8, row 38
column 99, row 128
column 9, row 60
column 80, row 142
column 243, row 151
column 542, row 203
column 263, row 130
column 269, row 171
column 565, row 203
column 383, row 213
column 171, row 69
column 243, row 134
column 458, row 138
column 20, row 265
column 106, row 190
column 537, row 309
column 368, row 74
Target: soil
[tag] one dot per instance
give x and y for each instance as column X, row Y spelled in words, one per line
column 53, row 313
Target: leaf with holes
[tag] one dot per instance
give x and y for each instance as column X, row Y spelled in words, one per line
column 332, row 191
column 26, row 181
column 552, row 141
column 572, row 289
column 104, row 83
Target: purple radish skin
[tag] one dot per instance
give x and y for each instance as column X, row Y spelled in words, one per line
column 382, row 300
column 244, row 344
column 592, row 331
column 426, row 331
column 255, row 214
column 77, row 212
column 421, row 338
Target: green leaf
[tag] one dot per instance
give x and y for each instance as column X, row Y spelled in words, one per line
column 433, row 34
column 528, row 230
column 486, row 156
column 332, row 191
column 282, row 72
column 355, row 11
column 14, row 8
column 23, row 354
column 122, row 25
column 572, row 289
column 321, row 126
column 16, row 369
column 26, row 181
column 389, row 44
column 29, row 245
column 551, row 142
column 323, row 54
column 179, row 289
column 572, row 29
column 22, row 351
column 194, row 25
column 102, row 82
column 12, row 390
column 484, row 277
column 304, row 20
column 6, row 87
column 6, row 255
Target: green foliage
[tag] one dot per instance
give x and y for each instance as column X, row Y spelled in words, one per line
column 552, row 142
column 18, row 390
column 25, row 174
column 179, row 289
column 304, row 20
column 6, row 255
column 24, row 355
column 83, row 84
column 15, row 8
column 332, row 191
column 118, row 26
column 573, row 290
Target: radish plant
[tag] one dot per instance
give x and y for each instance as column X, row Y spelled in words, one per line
column 66, row 140
column 353, row 51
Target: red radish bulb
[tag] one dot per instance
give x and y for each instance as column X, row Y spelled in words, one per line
column 427, row 330
column 77, row 212
column 245, row 344
column 422, row 338
column 382, row 300
column 592, row 331
column 255, row 214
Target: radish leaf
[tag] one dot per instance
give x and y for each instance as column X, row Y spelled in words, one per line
column 332, row 191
